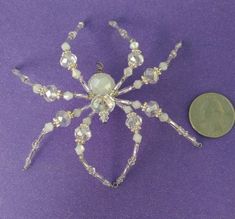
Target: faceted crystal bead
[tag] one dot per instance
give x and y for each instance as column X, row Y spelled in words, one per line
column 150, row 76
column 63, row 118
column 79, row 149
column 51, row 93
column 101, row 84
column 103, row 103
column 83, row 132
column 133, row 121
column 135, row 59
column 68, row 59
column 151, row 108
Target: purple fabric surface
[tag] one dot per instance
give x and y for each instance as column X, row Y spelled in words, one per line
column 171, row 178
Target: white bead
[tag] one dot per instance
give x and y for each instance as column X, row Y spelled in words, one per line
column 163, row 117
column 101, row 83
column 138, row 84
column 65, row 46
column 48, row 127
column 163, row 66
column 87, row 120
column 136, row 104
column 68, row 95
column 128, row 71
column 135, row 59
column 76, row 73
column 79, row 149
column 77, row 112
column 137, row 138
column 37, row 88
column 127, row 109
column 134, row 45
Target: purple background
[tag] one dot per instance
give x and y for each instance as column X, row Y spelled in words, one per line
column 171, row 179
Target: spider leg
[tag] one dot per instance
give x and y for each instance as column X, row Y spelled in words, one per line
column 135, row 58
column 49, row 92
column 151, row 75
column 62, row 119
column 152, row 109
column 69, row 60
column 81, row 139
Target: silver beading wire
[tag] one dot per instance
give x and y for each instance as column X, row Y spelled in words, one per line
column 103, row 95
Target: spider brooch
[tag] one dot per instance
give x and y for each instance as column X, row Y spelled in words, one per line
column 103, row 95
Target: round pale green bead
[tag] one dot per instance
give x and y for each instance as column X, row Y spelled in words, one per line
column 212, row 115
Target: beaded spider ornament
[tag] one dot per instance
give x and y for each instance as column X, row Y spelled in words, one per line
column 103, row 95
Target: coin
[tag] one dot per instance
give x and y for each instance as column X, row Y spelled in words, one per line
column 212, row 115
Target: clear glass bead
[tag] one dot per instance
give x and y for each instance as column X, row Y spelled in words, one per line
column 51, row 93
column 151, row 76
column 63, row 118
column 135, row 59
column 151, row 108
column 79, row 149
column 103, row 103
column 163, row 117
column 82, row 132
column 68, row 59
column 133, row 121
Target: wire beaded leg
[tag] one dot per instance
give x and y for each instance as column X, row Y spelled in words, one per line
column 49, row 127
column 91, row 169
column 152, row 109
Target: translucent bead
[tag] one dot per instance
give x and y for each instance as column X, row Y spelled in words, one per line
column 128, row 71
column 79, row 149
column 37, row 88
column 76, row 73
column 136, row 104
column 127, row 109
column 77, row 112
column 68, row 95
column 68, row 59
column 163, row 117
column 134, row 45
column 65, row 46
column 48, row 127
column 133, row 121
column 101, row 83
column 150, row 76
column 137, row 138
column 135, row 59
column 82, row 132
column 138, row 84
column 163, row 66
column 87, row 120
column 63, row 118
column 151, row 109
column 51, row 93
